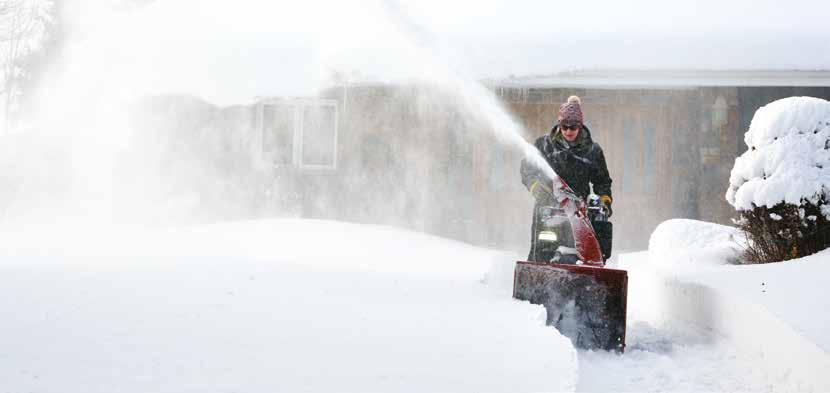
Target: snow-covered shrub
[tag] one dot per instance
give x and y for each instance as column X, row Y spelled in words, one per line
column 780, row 184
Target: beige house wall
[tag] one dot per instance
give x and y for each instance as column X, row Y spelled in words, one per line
column 414, row 157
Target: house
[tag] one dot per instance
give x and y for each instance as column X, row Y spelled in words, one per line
column 410, row 155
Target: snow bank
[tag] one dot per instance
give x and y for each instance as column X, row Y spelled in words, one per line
column 780, row 356
column 788, row 158
column 778, row 311
column 272, row 305
column 792, row 289
column 692, row 242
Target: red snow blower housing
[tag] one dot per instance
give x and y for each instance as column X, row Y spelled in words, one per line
column 584, row 300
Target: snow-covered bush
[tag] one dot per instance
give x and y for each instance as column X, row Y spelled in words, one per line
column 780, row 184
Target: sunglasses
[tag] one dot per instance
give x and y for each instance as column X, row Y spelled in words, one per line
column 573, row 127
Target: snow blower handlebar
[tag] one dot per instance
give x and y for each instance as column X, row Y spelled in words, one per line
column 597, row 211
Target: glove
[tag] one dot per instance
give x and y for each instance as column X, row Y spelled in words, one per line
column 541, row 191
column 605, row 200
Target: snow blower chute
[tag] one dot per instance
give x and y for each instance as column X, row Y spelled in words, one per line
column 584, row 300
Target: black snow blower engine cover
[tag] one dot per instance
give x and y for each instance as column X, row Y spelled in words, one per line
column 585, row 300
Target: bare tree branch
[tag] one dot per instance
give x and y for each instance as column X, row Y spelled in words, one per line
column 22, row 29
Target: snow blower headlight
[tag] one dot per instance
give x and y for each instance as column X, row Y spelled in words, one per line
column 547, row 236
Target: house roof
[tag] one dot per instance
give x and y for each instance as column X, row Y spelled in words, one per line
column 668, row 78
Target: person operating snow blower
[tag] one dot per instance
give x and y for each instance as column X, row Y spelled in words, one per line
column 565, row 271
column 579, row 161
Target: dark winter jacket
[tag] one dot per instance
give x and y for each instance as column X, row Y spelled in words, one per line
column 577, row 165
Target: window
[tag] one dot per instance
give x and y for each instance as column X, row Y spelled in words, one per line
column 630, row 153
column 649, row 153
column 278, row 128
column 319, row 135
column 720, row 113
column 299, row 132
column 639, row 159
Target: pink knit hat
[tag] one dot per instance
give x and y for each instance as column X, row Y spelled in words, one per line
column 571, row 111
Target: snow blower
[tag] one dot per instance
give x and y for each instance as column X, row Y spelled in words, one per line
column 584, row 300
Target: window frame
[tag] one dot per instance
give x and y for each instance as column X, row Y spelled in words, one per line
column 299, row 106
column 299, row 143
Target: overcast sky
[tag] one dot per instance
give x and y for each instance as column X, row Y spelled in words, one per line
column 545, row 18
column 502, row 37
column 232, row 51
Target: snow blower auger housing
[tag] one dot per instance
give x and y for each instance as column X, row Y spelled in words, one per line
column 586, row 304
column 585, row 301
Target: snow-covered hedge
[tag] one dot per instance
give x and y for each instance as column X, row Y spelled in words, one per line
column 780, row 184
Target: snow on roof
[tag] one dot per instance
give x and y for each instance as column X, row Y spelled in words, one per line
column 668, row 78
column 788, row 159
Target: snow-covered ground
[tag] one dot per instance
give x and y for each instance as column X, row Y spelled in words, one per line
column 266, row 306
column 672, row 358
column 305, row 305
column 667, row 351
column 794, row 291
column 766, row 323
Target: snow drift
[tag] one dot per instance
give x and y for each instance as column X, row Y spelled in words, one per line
column 692, row 243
